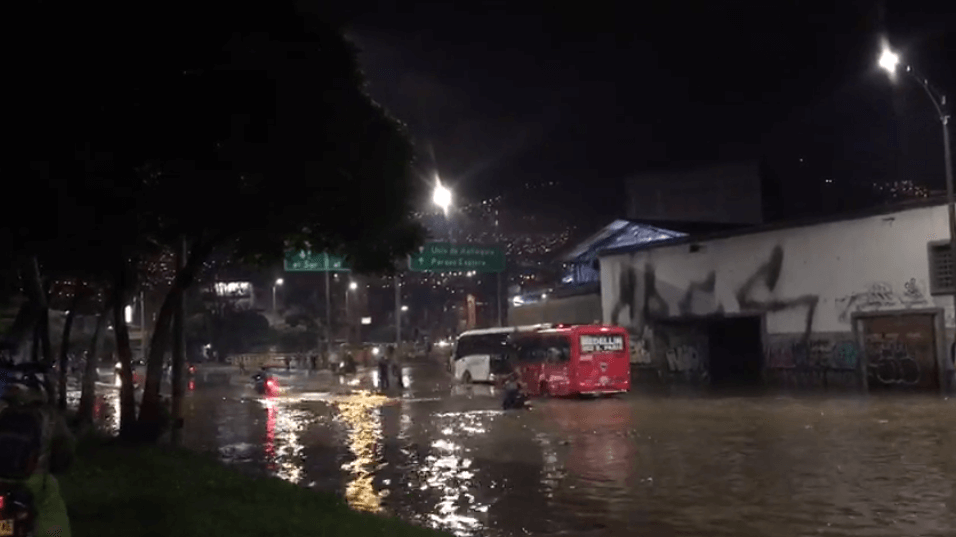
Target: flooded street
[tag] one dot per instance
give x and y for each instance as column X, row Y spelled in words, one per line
column 447, row 457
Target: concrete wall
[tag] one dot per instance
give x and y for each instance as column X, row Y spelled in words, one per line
column 580, row 309
column 806, row 283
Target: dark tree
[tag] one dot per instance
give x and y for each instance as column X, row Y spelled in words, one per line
column 224, row 126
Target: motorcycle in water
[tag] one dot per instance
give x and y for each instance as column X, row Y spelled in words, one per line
column 265, row 384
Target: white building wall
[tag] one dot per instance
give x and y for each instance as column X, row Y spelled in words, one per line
column 873, row 263
column 806, row 282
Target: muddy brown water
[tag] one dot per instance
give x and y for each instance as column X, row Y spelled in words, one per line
column 448, row 458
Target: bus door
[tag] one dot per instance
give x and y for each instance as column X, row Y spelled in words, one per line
column 530, row 363
column 545, row 361
column 557, row 365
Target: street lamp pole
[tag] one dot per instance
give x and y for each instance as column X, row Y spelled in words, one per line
column 274, row 285
column 348, row 314
column 889, row 61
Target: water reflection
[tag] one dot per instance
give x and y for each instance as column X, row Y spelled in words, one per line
column 449, row 472
column 740, row 467
column 360, row 412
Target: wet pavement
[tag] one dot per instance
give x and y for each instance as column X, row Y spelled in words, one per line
column 447, row 457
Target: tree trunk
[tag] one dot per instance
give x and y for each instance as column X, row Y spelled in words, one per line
column 35, row 350
column 179, row 355
column 65, row 348
column 23, row 327
column 88, row 394
column 125, row 353
column 151, row 406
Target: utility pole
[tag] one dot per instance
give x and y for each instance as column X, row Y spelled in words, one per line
column 498, row 300
column 142, row 323
column 398, row 312
column 179, row 353
column 328, row 308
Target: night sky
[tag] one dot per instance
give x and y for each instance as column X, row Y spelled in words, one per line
column 499, row 94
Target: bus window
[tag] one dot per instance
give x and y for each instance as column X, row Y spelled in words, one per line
column 558, row 348
column 492, row 344
column 550, row 349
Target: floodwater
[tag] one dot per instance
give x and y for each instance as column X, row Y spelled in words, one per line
column 735, row 466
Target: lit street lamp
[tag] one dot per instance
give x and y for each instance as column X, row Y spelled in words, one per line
column 441, row 196
column 276, row 284
column 889, row 61
column 404, row 309
column 348, row 316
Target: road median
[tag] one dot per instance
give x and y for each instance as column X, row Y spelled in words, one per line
column 114, row 489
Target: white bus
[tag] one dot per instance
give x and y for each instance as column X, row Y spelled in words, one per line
column 480, row 355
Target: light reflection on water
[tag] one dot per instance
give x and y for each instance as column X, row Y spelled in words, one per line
column 361, row 414
column 733, row 467
column 283, row 450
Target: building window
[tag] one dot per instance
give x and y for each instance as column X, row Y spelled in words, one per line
column 941, row 268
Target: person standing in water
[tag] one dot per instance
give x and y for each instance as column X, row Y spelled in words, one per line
column 384, row 361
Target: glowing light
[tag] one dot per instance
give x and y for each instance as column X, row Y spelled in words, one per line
column 129, row 314
column 441, row 196
column 353, row 286
column 280, row 281
column 889, row 60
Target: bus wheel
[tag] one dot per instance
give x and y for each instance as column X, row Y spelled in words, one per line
column 466, row 378
column 543, row 390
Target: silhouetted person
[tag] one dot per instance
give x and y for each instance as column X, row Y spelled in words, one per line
column 384, row 361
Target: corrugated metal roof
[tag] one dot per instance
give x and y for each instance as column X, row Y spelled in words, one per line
column 618, row 234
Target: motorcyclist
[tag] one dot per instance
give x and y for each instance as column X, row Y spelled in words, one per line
column 262, row 375
column 25, row 393
column 514, row 393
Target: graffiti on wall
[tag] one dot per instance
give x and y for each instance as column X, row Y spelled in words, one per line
column 764, row 282
column 892, row 362
column 640, row 351
column 881, row 295
column 639, row 302
column 700, row 298
column 815, row 354
column 684, row 358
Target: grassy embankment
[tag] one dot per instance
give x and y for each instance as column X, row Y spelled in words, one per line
column 132, row 491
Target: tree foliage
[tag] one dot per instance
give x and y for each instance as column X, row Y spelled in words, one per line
column 216, row 125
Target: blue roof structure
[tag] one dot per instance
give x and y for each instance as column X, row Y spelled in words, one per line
column 619, row 234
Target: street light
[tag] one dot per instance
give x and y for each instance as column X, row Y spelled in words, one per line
column 404, row 309
column 276, row 284
column 889, row 61
column 348, row 315
column 441, row 196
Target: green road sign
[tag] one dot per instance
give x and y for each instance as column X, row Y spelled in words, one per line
column 303, row 261
column 447, row 257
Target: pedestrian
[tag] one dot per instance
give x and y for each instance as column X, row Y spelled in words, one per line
column 397, row 370
column 315, row 361
column 288, row 363
column 384, row 361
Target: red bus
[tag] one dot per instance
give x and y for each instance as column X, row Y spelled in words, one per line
column 574, row 359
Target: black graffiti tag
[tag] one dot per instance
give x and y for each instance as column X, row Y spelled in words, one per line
column 769, row 273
